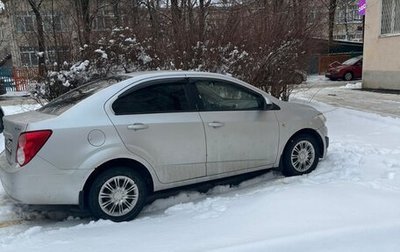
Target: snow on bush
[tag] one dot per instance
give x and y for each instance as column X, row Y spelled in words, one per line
column 122, row 52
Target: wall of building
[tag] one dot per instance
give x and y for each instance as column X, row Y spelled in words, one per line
column 381, row 67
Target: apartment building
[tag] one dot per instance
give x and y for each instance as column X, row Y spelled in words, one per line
column 381, row 67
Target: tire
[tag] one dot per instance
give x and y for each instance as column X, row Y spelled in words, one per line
column 348, row 76
column 301, row 156
column 117, row 194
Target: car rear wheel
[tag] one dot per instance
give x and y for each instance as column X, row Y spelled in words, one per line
column 117, row 194
column 301, row 156
column 348, row 76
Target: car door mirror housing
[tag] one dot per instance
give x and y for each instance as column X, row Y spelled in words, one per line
column 270, row 105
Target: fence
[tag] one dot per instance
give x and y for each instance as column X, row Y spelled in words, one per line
column 6, row 76
column 22, row 76
column 17, row 79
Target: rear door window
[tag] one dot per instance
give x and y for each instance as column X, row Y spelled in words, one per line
column 167, row 97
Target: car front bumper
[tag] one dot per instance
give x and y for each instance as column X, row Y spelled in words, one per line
column 39, row 182
column 332, row 75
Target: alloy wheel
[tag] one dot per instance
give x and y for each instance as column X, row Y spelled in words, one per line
column 302, row 156
column 118, row 196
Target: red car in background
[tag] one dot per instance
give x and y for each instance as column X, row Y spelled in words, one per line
column 348, row 70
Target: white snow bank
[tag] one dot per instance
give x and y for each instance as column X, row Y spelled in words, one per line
column 357, row 85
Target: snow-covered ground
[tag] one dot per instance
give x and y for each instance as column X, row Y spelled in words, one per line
column 351, row 202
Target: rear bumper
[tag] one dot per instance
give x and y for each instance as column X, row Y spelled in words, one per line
column 41, row 183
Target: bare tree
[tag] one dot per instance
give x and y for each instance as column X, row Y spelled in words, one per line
column 262, row 42
column 332, row 10
column 36, row 7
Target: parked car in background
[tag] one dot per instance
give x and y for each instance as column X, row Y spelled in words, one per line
column 108, row 144
column 348, row 70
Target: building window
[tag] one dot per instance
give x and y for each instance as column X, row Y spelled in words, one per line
column 348, row 14
column 52, row 22
column 24, row 24
column 103, row 21
column 390, row 21
column 28, row 56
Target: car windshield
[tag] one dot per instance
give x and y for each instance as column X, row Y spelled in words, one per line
column 69, row 99
column 352, row 61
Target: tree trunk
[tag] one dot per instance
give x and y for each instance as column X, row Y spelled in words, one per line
column 83, row 12
column 56, row 44
column 176, row 23
column 202, row 20
column 40, row 37
column 87, row 24
column 332, row 11
column 117, row 15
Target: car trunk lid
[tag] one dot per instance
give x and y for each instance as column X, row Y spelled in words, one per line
column 14, row 125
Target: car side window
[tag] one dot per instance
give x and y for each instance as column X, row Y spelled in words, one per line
column 222, row 96
column 157, row 98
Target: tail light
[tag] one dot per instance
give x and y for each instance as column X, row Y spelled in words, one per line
column 29, row 144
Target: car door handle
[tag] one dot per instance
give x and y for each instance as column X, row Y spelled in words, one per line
column 138, row 126
column 215, row 124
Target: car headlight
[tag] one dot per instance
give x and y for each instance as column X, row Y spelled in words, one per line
column 321, row 117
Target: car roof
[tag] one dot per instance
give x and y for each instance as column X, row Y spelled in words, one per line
column 167, row 73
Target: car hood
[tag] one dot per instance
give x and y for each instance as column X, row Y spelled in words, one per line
column 297, row 111
column 338, row 67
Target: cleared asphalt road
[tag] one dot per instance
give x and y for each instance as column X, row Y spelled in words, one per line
column 348, row 95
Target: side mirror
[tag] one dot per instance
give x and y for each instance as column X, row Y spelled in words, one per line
column 269, row 105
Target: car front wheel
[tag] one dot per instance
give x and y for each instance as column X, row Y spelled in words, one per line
column 348, row 76
column 301, row 156
column 117, row 194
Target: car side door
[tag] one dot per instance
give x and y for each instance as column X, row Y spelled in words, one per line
column 157, row 122
column 240, row 132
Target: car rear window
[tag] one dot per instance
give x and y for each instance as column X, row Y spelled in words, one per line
column 71, row 98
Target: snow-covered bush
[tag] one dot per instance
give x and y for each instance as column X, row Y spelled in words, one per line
column 261, row 42
column 123, row 52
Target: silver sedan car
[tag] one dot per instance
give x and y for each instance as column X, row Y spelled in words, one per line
column 109, row 144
